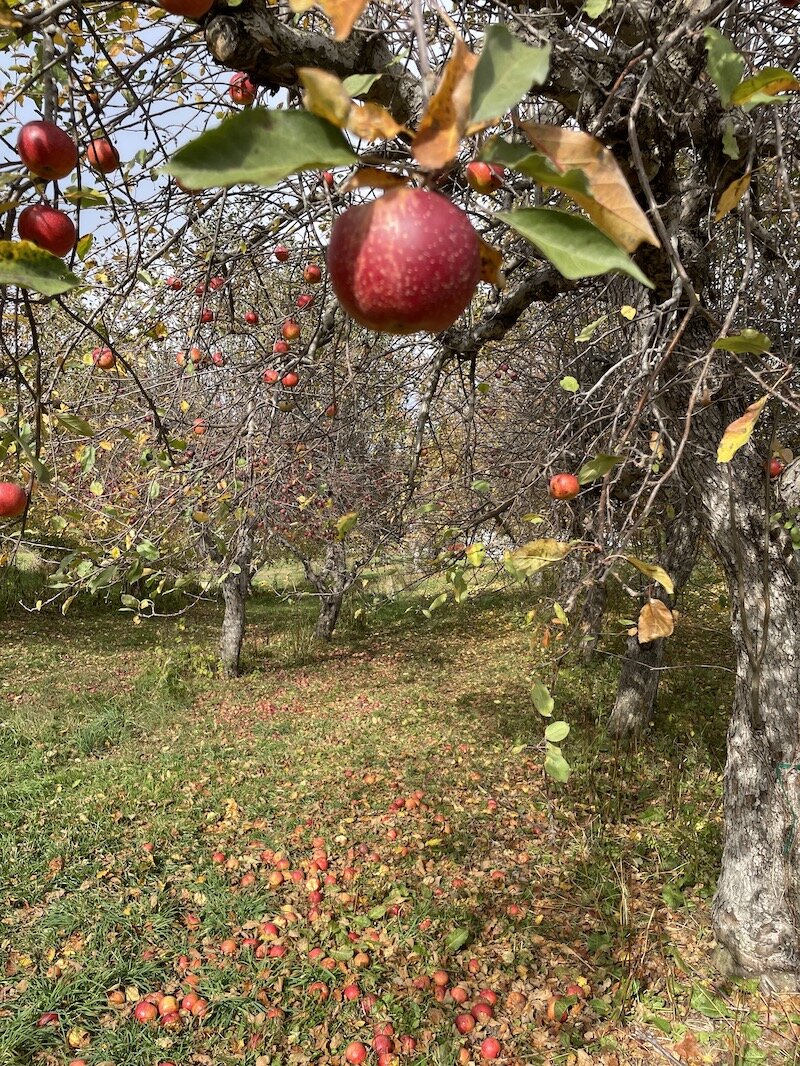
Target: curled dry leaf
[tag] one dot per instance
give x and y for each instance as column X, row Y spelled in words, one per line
column 491, row 264
column 372, row 178
column 655, row 621
column 342, row 13
column 447, row 115
column 611, row 204
column 739, row 432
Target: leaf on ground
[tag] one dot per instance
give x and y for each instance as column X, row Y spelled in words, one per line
column 610, row 204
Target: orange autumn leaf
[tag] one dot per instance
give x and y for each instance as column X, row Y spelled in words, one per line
column 739, row 432
column 611, row 205
column 446, row 117
column 342, row 13
column 325, row 95
column 655, row 621
column 491, row 264
column 371, row 122
column 372, row 178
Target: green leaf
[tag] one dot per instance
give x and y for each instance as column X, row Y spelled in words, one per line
column 476, row 553
column 748, row 342
column 23, row 263
column 673, row 897
column 595, row 8
column 762, row 87
column 709, row 1005
column 480, row 486
column 146, row 277
column 505, row 72
column 457, row 939
column 560, row 614
column 590, row 329
column 262, row 147
column 537, row 554
column 597, row 467
column 74, row 423
column 84, row 245
column 129, row 601
column 556, row 732
column 533, row 165
column 345, row 524
column 359, row 84
column 557, row 767
column 569, row 384
column 730, row 145
column 85, row 197
column 575, row 247
column 725, row 65
column 542, row 700
column 440, row 599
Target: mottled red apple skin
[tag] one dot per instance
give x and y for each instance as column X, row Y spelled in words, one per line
column 48, row 227
column 46, row 150
column 13, row 499
column 406, row 262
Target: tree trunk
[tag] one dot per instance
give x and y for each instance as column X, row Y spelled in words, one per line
column 330, row 604
column 756, row 909
column 640, row 673
column 235, row 588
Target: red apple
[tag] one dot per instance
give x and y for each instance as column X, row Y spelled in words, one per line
column 564, row 486
column 355, row 1053
column 327, row 177
column 330, row 410
column 269, row 377
column 407, row 261
column 218, row 359
column 490, row 1048
column 465, row 1023
column 103, row 357
column 482, row 1012
column 192, row 9
column 488, row 996
column 775, row 466
column 175, row 284
column 46, row 150
column 304, row 300
column 280, row 347
column 206, row 315
column 484, row 177
column 101, row 155
column 382, row 1043
column 242, row 90
column 199, row 427
column 290, row 379
column 251, row 318
column 145, row 1012
column 168, row 1005
column 290, row 329
column 312, row 275
column 281, row 253
column 47, row 227
column 13, row 499
column 351, row 992
column 441, row 978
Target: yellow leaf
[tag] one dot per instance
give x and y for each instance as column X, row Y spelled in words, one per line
column 491, row 264
column 342, row 13
column 372, row 178
column 655, row 621
column 628, row 312
column 731, row 197
column 325, row 95
column 740, row 431
column 611, row 204
column 371, row 122
column 537, row 554
column 184, row 406
column 444, row 123
column 655, row 573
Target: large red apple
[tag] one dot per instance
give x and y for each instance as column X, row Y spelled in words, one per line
column 46, row 150
column 101, row 155
column 242, row 90
column 13, row 499
column 48, row 227
column 407, row 261
column 193, row 9
column 564, row 486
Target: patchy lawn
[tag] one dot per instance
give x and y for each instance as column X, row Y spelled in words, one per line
column 355, row 842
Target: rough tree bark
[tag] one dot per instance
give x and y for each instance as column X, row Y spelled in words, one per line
column 235, row 589
column 331, row 583
column 640, row 673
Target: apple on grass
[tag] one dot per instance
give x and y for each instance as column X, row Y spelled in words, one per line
column 46, row 150
column 407, row 261
column 48, row 228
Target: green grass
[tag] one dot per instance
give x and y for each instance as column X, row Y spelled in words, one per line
column 129, row 762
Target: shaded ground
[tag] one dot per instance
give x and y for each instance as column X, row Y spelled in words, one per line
column 148, row 804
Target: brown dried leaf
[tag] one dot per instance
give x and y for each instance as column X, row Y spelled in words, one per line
column 731, row 197
column 688, row 1048
column 491, row 264
column 655, row 621
column 372, row 178
column 447, row 115
column 372, row 122
column 611, row 206
column 325, row 95
column 342, row 13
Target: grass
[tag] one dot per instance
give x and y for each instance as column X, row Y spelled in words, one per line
column 130, row 763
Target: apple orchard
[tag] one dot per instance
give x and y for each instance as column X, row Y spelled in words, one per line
column 508, row 290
